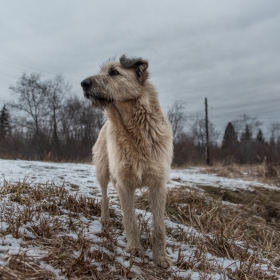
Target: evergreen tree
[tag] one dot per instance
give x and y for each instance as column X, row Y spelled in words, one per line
column 230, row 137
column 260, row 147
column 246, row 135
column 260, row 136
column 4, row 122
column 247, row 152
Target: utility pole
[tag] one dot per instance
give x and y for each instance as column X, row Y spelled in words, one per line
column 207, row 134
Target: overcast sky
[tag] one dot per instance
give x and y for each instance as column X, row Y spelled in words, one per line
column 227, row 51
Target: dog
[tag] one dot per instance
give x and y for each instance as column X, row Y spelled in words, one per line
column 134, row 148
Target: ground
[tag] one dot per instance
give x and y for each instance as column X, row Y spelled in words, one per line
column 221, row 224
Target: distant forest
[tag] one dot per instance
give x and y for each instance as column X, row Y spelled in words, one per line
column 44, row 122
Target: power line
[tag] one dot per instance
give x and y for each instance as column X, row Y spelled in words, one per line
column 22, row 66
column 31, row 68
column 6, row 80
column 8, row 75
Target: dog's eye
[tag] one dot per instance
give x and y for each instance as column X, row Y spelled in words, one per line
column 114, row 72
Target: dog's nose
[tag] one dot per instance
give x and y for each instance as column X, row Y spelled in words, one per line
column 86, row 84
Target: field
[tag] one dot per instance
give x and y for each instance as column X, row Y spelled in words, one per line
column 222, row 223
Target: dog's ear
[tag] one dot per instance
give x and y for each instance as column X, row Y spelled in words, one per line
column 139, row 65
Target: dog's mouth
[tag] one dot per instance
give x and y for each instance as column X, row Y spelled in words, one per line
column 98, row 100
column 103, row 99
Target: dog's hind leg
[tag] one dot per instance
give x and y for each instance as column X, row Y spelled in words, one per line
column 157, row 197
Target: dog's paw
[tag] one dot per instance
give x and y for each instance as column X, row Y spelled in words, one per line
column 163, row 261
column 136, row 251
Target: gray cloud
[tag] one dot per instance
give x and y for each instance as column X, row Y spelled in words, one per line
column 227, row 51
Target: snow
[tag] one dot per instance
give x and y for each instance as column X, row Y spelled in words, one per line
column 3, row 226
column 193, row 177
column 81, row 179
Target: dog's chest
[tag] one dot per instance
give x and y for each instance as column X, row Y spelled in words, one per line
column 125, row 146
column 128, row 152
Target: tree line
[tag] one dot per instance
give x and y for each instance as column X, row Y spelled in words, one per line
column 45, row 122
column 243, row 140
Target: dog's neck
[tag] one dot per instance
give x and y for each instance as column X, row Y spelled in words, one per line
column 120, row 111
column 138, row 116
column 126, row 111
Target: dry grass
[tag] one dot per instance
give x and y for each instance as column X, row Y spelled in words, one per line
column 266, row 173
column 201, row 230
column 58, row 223
column 244, row 233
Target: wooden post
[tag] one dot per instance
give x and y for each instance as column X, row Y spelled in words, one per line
column 207, row 155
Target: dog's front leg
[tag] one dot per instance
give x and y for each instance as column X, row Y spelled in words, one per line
column 157, row 196
column 102, row 174
column 105, row 216
column 126, row 195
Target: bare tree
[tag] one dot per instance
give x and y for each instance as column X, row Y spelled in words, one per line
column 240, row 124
column 80, row 125
column 177, row 117
column 198, row 130
column 31, row 96
column 56, row 91
column 274, row 130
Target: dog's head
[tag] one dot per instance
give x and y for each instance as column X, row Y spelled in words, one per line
column 117, row 81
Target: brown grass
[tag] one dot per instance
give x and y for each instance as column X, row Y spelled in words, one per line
column 268, row 173
column 244, row 233
column 58, row 223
